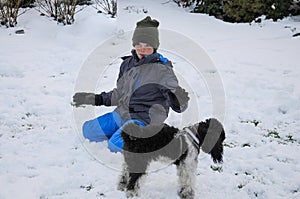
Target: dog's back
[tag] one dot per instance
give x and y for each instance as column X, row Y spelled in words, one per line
column 151, row 138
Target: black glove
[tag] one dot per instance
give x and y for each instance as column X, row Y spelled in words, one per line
column 87, row 98
column 179, row 100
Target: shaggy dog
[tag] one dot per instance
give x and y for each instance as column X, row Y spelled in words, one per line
column 156, row 142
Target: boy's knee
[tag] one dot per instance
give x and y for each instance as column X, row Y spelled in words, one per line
column 86, row 130
column 92, row 131
column 114, row 147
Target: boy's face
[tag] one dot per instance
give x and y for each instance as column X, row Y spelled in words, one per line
column 143, row 49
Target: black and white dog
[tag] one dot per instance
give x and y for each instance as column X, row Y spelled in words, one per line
column 156, row 142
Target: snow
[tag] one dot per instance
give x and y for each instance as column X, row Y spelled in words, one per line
column 43, row 154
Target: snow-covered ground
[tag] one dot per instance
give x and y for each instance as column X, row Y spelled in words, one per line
column 43, row 155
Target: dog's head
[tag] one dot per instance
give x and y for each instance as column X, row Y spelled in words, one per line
column 211, row 135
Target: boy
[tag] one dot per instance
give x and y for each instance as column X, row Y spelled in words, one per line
column 146, row 88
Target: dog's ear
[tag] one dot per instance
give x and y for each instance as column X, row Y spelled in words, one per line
column 213, row 132
column 210, row 132
column 202, row 131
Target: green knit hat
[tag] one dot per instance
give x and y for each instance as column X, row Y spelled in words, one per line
column 146, row 32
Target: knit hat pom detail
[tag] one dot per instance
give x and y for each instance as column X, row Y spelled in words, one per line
column 147, row 22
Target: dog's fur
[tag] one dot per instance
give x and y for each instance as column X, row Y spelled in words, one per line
column 153, row 142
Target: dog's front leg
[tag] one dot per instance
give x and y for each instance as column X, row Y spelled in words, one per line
column 133, row 186
column 137, row 166
column 186, row 188
column 186, row 169
column 124, row 178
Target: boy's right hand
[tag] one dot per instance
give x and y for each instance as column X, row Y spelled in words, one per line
column 84, row 98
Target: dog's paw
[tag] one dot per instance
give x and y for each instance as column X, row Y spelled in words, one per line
column 121, row 186
column 186, row 193
column 131, row 193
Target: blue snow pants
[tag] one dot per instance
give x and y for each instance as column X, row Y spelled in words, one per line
column 107, row 127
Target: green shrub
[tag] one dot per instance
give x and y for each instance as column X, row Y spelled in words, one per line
column 246, row 10
column 249, row 10
column 242, row 10
column 295, row 8
column 277, row 9
column 211, row 7
column 186, row 3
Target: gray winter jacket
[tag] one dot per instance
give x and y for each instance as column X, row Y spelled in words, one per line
column 143, row 89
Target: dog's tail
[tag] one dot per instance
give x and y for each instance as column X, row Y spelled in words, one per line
column 211, row 136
